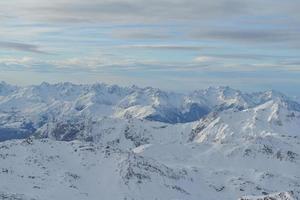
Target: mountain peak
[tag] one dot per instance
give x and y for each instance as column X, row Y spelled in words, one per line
column 6, row 89
column 228, row 143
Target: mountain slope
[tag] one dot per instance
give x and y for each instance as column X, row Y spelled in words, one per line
column 67, row 141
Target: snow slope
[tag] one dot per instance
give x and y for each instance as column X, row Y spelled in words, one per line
column 67, row 141
column 280, row 196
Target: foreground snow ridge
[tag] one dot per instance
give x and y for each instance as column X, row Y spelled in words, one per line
column 90, row 142
column 281, row 196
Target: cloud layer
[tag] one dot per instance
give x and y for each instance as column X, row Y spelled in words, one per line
column 21, row 47
column 205, row 41
column 131, row 11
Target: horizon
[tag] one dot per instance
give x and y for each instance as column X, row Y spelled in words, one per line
column 172, row 45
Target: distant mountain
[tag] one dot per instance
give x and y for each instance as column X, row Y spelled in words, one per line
column 49, row 102
column 67, row 141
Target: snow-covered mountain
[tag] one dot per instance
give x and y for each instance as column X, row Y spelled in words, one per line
column 108, row 142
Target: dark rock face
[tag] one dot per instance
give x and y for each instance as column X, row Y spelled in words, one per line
column 14, row 133
column 14, row 196
column 277, row 196
column 67, row 131
column 195, row 113
column 139, row 169
column 137, row 138
column 293, row 106
column 173, row 115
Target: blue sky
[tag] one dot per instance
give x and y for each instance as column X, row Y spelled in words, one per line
column 171, row 44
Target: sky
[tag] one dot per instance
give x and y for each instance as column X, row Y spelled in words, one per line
column 178, row 45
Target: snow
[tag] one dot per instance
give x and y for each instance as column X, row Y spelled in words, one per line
column 67, row 141
column 279, row 196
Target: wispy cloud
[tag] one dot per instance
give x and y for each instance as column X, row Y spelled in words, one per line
column 251, row 36
column 22, row 47
column 165, row 47
column 135, row 11
column 141, row 34
column 207, row 40
column 244, row 56
column 102, row 63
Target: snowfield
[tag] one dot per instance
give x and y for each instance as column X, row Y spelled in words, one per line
column 67, row 141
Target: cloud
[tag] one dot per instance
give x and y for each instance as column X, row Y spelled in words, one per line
column 165, row 47
column 128, row 11
column 22, row 47
column 233, row 36
column 3, row 17
column 99, row 63
column 250, row 35
column 111, row 64
column 14, row 60
column 141, row 11
column 141, row 34
column 243, row 56
column 250, row 22
column 205, row 59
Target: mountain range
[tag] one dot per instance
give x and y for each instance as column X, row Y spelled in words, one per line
column 102, row 141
